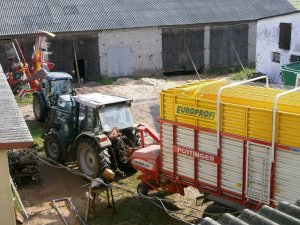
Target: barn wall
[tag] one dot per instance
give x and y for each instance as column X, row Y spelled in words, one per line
column 145, row 49
column 7, row 213
column 86, row 50
column 267, row 42
column 62, row 53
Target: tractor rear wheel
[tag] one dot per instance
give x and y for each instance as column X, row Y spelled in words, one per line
column 53, row 147
column 38, row 108
column 92, row 160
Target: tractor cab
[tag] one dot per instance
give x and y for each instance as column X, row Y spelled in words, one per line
column 51, row 86
column 57, row 83
column 104, row 112
column 96, row 129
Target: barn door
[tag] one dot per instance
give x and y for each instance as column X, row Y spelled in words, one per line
column 258, row 172
column 175, row 43
column 119, row 62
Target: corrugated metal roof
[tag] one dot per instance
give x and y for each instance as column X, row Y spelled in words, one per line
column 14, row 132
column 285, row 214
column 27, row 16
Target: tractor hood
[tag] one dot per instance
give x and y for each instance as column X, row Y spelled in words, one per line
column 65, row 98
column 97, row 100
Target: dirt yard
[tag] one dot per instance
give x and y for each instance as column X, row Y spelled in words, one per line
column 58, row 183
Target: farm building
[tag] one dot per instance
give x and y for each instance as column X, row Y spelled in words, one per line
column 277, row 43
column 120, row 38
column 14, row 134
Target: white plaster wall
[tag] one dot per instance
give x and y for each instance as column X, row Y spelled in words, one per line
column 145, row 45
column 267, row 42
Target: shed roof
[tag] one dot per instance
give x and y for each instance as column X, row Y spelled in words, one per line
column 14, row 132
column 285, row 213
column 27, row 16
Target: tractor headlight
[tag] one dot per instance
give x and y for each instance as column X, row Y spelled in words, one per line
column 17, row 76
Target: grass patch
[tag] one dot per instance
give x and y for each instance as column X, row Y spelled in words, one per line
column 26, row 100
column 131, row 210
column 219, row 71
column 36, row 129
column 17, row 203
column 106, row 80
column 241, row 75
column 135, row 211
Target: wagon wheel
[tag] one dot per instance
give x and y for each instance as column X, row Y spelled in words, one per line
column 143, row 189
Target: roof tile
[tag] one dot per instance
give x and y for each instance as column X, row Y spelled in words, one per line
column 80, row 15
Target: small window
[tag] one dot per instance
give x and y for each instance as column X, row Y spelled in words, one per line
column 276, row 57
column 285, row 35
column 295, row 58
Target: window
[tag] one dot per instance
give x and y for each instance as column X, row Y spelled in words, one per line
column 116, row 116
column 285, row 35
column 276, row 57
column 295, row 58
column 89, row 118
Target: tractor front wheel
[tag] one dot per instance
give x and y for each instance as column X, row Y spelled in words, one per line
column 92, row 160
column 53, row 147
column 38, row 108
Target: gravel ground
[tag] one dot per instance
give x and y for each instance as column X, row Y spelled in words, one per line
column 144, row 92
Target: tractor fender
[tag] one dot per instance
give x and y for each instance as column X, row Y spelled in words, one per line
column 101, row 139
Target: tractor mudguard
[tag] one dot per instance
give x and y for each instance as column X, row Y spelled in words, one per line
column 101, row 139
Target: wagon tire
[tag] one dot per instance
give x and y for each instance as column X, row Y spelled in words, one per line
column 142, row 189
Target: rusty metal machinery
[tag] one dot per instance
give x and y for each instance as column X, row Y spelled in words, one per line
column 23, row 167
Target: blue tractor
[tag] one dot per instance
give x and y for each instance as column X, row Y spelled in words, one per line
column 51, row 86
